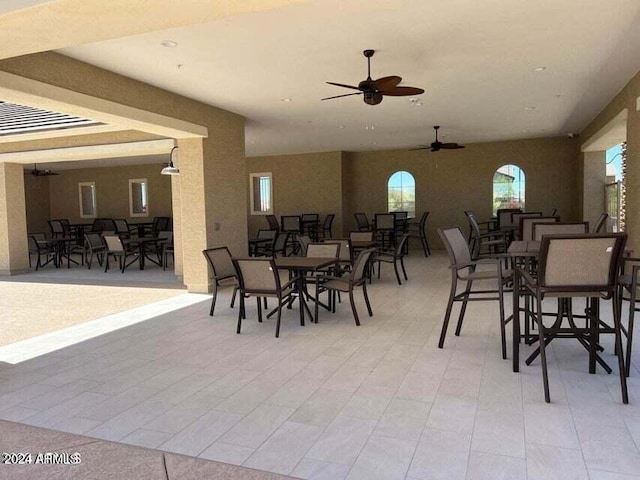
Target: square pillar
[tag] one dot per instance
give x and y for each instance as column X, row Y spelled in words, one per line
column 14, row 253
column 593, row 186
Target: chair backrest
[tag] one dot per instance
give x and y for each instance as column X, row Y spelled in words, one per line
column 161, row 224
column 290, row 223
column 400, row 248
column 310, row 217
column 281, row 242
column 303, row 241
column 361, row 236
column 97, row 226
column 345, row 248
column 473, row 223
column 517, row 216
column 94, row 240
column 108, row 225
column 57, row 228
column 456, row 245
column 385, row 221
column 504, row 216
column 114, row 243
column 361, row 220
column 580, row 263
column 220, row 262
column 272, row 220
column 323, row 250
column 39, row 236
column 258, row 275
column 423, row 220
column 601, row 224
column 557, row 228
column 267, row 234
column 328, row 221
column 401, row 215
column 33, row 244
column 121, row 225
column 526, row 225
column 360, row 265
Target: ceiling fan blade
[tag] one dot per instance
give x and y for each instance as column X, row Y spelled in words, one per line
column 435, row 149
column 403, row 91
column 343, row 85
column 387, row 83
column 345, row 95
column 373, row 98
column 421, row 147
column 451, row 146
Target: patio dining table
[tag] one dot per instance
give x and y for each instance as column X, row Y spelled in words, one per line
column 141, row 244
column 300, row 266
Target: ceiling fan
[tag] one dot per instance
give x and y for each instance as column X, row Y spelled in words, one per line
column 375, row 90
column 41, row 173
column 438, row 145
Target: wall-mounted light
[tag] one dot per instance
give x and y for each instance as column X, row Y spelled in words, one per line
column 171, row 169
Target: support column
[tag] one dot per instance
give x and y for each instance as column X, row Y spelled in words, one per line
column 14, row 253
column 176, row 209
column 632, row 182
column 194, row 219
column 593, row 186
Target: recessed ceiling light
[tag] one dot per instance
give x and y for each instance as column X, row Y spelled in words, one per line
column 539, row 69
column 529, row 108
column 287, row 99
column 169, row 43
column 342, row 126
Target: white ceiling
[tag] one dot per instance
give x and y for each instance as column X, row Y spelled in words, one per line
column 475, row 59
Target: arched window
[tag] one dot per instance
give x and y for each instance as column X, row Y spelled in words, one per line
column 508, row 188
column 401, row 193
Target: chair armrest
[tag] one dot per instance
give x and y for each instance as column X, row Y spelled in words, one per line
column 529, row 280
column 290, row 283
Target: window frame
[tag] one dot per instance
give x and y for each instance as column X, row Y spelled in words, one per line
column 521, row 188
column 252, row 195
column 143, row 181
column 94, row 199
column 411, row 213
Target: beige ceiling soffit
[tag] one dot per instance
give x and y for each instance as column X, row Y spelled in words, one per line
column 56, row 24
column 91, row 152
column 67, row 132
column 613, row 133
column 24, row 91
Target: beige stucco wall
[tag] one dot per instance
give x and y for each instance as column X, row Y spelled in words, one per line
column 223, row 170
column 38, row 208
column 307, row 183
column 112, row 192
column 627, row 98
column 449, row 182
column 13, row 223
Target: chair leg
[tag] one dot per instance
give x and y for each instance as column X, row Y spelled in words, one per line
column 317, row 302
column 395, row 269
column 463, row 309
column 404, row 271
column 503, row 334
column 106, row 263
column 233, row 297
column 423, row 241
column 259, row 310
column 213, row 298
column 279, row 316
column 379, row 269
column 353, row 307
column 632, row 313
column 622, row 369
column 447, row 314
column 366, row 298
column 240, row 312
column 543, row 352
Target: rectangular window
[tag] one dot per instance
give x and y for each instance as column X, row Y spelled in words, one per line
column 87, row 196
column 261, row 193
column 138, row 198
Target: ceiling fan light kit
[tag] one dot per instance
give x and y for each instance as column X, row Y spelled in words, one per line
column 373, row 91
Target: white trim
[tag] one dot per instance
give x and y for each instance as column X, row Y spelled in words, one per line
column 90, row 152
column 144, row 182
column 24, row 91
column 93, row 198
column 260, row 175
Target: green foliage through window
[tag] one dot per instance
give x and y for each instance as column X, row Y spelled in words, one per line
column 401, row 193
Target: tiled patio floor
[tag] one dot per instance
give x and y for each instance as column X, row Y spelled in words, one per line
column 336, row 401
